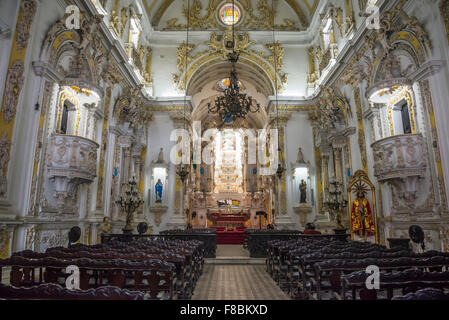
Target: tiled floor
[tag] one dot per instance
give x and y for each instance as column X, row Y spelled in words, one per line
column 237, row 282
column 231, row 251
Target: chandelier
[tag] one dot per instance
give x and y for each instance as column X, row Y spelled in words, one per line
column 336, row 203
column 130, row 203
column 182, row 172
column 233, row 104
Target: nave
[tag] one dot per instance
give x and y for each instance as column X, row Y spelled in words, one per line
column 237, row 282
column 224, row 149
column 233, row 275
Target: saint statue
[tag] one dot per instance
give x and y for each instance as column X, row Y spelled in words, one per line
column 160, row 157
column 105, row 230
column 362, row 222
column 300, row 156
column 303, row 192
column 159, row 186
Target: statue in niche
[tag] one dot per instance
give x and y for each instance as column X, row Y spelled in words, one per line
column 160, row 157
column 159, row 187
column 303, row 192
column 300, row 156
column 107, row 229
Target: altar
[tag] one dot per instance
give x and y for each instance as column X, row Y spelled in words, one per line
column 230, row 226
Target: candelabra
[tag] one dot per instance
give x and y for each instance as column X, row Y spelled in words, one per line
column 336, row 203
column 130, row 203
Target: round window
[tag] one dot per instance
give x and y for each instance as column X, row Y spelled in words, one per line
column 230, row 14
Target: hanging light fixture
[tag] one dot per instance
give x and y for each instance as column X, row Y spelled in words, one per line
column 183, row 171
column 233, row 104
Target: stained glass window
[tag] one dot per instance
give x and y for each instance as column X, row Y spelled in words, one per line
column 222, row 85
column 230, row 15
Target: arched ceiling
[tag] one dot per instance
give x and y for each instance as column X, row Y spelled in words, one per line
column 203, row 89
column 290, row 14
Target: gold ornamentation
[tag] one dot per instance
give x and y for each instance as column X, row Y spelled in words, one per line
column 441, row 181
column 4, row 159
column 445, row 12
column 14, row 84
column 339, row 20
column 28, row 11
column 148, row 76
column 349, row 20
column 30, row 238
column 220, row 50
column 333, row 108
column 361, row 129
column 4, row 242
column 260, row 20
column 406, row 94
column 115, row 23
column 124, row 20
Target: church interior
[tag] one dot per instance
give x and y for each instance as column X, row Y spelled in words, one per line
column 224, row 149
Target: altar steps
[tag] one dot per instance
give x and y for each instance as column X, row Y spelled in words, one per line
column 233, row 255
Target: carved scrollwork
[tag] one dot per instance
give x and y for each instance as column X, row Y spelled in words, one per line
column 401, row 161
column 14, row 84
column 4, row 159
column 28, row 11
column 71, row 161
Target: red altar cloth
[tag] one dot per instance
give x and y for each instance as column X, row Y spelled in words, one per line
column 228, row 219
column 230, row 227
column 230, row 237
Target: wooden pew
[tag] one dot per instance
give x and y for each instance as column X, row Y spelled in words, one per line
column 155, row 277
column 409, row 281
column 332, row 270
column 425, row 294
column 52, row 291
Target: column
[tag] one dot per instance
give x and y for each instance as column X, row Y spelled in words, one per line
column 325, row 173
column 177, row 218
column 284, row 219
column 338, row 164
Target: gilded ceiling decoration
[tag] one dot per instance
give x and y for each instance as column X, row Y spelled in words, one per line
column 255, row 15
column 269, row 62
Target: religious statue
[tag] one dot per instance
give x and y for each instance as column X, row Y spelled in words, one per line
column 303, row 192
column 159, row 187
column 300, row 156
column 362, row 222
column 106, row 229
column 160, row 157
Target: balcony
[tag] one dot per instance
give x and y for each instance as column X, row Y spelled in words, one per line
column 401, row 161
column 72, row 161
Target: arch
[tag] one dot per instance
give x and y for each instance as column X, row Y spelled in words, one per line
column 263, row 69
column 405, row 38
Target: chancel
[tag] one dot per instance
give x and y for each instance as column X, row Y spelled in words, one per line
column 224, row 149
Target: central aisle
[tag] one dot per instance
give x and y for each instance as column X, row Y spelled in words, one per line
column 237, row 282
